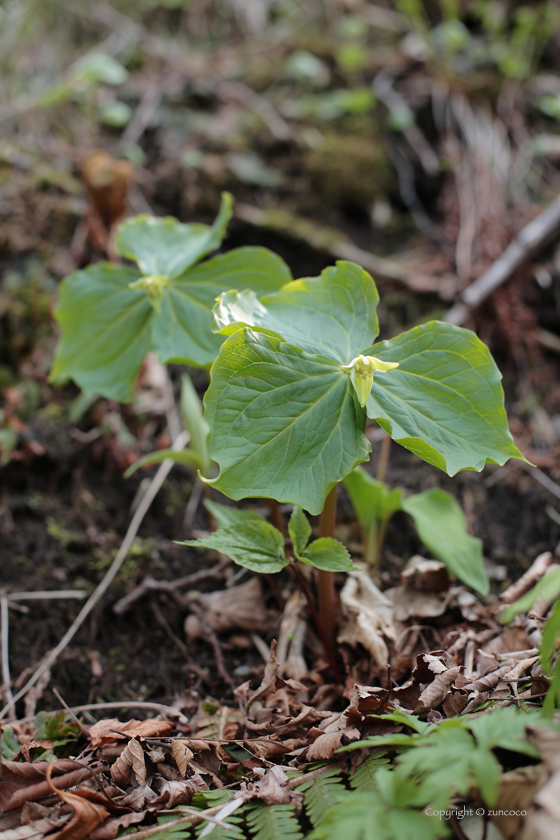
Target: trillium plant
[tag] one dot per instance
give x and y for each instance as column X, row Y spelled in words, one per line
column 295, row 373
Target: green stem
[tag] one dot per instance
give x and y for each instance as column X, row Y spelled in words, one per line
column 325, row 581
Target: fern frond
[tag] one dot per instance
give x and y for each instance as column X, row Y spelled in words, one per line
column 231, row 829
column 273, row 822
column 322, row 793
column 363, row 779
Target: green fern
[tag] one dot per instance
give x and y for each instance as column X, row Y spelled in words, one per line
column 273, row 822
column 363, row 779
column 232, row 829
column 322, row 793
column 364, row 817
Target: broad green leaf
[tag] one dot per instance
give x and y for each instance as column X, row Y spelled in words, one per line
column 197, row 427
column 328, row 554
column 226, row 515
column 182, row 328
column 442, row 527
column 108, row 321
column 255, row 545
column 165, row 247
column 372, row 500
column 285, row 424
column 334, row 314
column 445, row 401
column 548, row 588
column 106, row 331
column 187, row 457
column 299, row 529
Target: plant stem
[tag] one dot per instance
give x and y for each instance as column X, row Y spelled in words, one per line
column 327, row 646
column 383, row 458
column 325, row 580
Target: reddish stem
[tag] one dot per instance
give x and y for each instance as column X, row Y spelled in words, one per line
column 325, row 581
column 327, row 647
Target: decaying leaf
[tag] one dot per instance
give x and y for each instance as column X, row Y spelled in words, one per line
column 87, row 815
column 435, row 693
column 240, row 607
column 182, row 754
column 131, row 759
column 369, row 615
column 105, row 731
column 273, row 789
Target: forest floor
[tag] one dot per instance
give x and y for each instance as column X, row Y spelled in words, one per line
column 311, row 172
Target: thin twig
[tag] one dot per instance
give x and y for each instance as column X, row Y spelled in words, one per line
column 124, row 704
column 214, row 641
column 47, row 595
column 94, row 599
column 527, row 242
column 5, row 657
column 151, row 585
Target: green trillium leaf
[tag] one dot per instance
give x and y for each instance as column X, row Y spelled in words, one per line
column 334, row 314
column 299, row 529
column 445, row 400
column 104, row 351
column 442, row 527
column 110, row 316
column 284, row 424
column 327, row 554
column 254, row 544
column 164, row 246
column 182, row 330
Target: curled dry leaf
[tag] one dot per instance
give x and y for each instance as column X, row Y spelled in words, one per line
column 369, row 615
column 273, row 789
column 87, row 815
column 434, row 695
column 326, row 743
column 182, row 754
column 240, row 607
column 179, row 792
column 131, row 759
column 105, row 731
column 26, row 782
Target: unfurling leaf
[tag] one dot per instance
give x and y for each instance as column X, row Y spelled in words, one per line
column 299, row 529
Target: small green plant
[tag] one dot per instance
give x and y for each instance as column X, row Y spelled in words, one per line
column 112, row 315
column 439, row 520
column 298, row 376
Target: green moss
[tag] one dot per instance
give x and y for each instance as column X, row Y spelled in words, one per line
column 348, row 171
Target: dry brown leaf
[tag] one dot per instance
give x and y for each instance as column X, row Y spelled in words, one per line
column 454, row 703
column 87, row 815
column 33, row 831
column 271, row 681
column 426, row 575
column 179, row 792
column 369, row 615
column 110, row 828
column 324, row 746
column 131, row 758
column 182, row 754
column 240, row 607
column 105, row 731
column 22, row 782
column 273, row 789
column 139, row 798
column 437, row 691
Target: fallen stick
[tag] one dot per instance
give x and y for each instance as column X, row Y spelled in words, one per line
column 526, row 243
column 324, row 239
